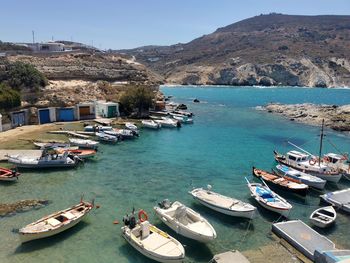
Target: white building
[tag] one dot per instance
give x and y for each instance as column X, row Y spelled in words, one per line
column 48, row 47
column 107, row 109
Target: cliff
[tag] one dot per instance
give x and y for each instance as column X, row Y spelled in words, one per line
column 266, row 50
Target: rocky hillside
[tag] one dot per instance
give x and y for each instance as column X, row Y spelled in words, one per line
column 270, row 49
column 77, row 77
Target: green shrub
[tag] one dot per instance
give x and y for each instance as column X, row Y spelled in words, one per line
column 9, row 98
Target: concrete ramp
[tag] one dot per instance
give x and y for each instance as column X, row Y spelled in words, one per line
column 302, row 237
column 340, row 199
column 31, row 153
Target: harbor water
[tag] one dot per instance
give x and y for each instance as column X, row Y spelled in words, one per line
column 229, row 136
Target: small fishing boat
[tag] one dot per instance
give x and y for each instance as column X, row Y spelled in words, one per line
column 151, row 124
column 168, row 122
column 126, row 134
column 81, row 153
column 104, row 137
column 8, row 174
column 55, row 223
column 44, row 145
column 97, row 128
column 309, row 164
column 47, row 160
column 338, row 162
column 310, row 180
column 184, row 221
column 223, row 204
column 269, row 199
column 282, row 183
column 182, row 118
column 151, row 241
column 131, row 126
column 323, row 217
column 186, row 113
column 81, row 143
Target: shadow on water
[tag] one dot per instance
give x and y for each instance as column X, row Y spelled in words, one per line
column 280, row 140
column 50, row 241
column 132, row 255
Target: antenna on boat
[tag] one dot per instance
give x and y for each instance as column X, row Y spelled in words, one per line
column 321, row 142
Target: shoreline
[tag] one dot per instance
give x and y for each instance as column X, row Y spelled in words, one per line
column 252, row 86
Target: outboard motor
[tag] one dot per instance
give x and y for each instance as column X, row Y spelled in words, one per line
column 165, row 204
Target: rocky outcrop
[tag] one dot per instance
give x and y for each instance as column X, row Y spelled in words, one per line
column 21, row 206
column 335, row 117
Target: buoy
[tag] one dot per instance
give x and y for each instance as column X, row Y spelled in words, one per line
column 116, row 222
column 98, row 206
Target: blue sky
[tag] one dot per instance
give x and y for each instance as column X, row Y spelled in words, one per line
column 129, row 23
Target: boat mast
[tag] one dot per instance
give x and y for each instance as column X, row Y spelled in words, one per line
column 321, row 142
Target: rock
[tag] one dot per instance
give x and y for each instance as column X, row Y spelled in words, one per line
column 21, row 206
column 335, row 117
column 196, row 100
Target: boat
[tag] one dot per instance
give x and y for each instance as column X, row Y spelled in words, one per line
column 168, row 122
column 282, row 183
column 104, row 137
column 55, row 223
column 126, row 134
column 151, row 124
column 97, row 128
column 47, row 160
column 323, row 217
column 310, row 180
column 269, row 199
column 223, row 204
column 131, row 126
column 44, row 145
column 81, row 153
column 182, row 118
column 184, row 221
column 81, row 143
column 8, row 175
column 338, row 162
column 308, row 164
column 151, row 241
column 186, row 113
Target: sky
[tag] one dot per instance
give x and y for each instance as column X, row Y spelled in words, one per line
column 122, row 24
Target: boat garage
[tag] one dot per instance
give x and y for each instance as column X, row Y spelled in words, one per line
column 86, row 111
column 47, row 115
column 65, row 114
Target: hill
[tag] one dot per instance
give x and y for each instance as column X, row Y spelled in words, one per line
column 272, row 49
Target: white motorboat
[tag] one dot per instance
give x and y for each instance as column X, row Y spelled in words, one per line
column 299, row 176
column 126, row 133
column 131, row 126
column 81, row 143
column 43, row 145
column 338, row 162
column 151, row 241
column 106, row 137
column 97, row 128
column 55, row 223
column 269, row 199
column 182, row 118
column 47, row 160
column 309, row 164
column 184, row 221
column 168, row 122
column 323, row 217
column 223, row 204
column 151, row 124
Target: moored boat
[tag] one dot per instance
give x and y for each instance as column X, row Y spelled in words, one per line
column 104, row 137
column 182, row 118
column 184, row 221
column 55, row 223
column 282, row 183
column 131, row 126
column 151, row 241
column 338, row 162
column 8, row 174
column 81, row 143
column 81, row 153
column 223, row 204
column 168, row 122
column 323, row 217
column 269, row 199
column 126, row 134
column 310, row 180
column 97, row 128
column 151, row 124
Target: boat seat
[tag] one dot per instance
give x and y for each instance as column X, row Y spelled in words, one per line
column 68, row 215
column 53, row 222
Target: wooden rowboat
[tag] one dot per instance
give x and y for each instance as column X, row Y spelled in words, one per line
column 281, row 182
column 323, row 217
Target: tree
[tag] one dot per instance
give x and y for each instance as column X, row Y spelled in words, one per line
column 139, row 98
column 9, row 98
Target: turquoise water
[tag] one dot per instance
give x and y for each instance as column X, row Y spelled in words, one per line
column 228, row 137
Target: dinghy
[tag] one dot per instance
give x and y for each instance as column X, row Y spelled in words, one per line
column 168, row 123
column 8, row 174
column 81, row 153
column 223, row 204
column 151, row 241
column 97, row 128
column 269, row 199
column 81, row 143
column 55, row 223
column 151, row 124
column 323, row 217
column 47, row 160
column 131, row 126
column 299, row 176
column 104, row 137
column 184, row 221
column 282, row 183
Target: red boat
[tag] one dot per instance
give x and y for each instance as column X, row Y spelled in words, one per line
column 81, row 153
column 8, row 174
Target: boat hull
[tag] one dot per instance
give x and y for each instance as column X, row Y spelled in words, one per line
column 245, row 214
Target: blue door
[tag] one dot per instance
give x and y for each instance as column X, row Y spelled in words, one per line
column 65, row 115
column 18, row 119
column 44, row 116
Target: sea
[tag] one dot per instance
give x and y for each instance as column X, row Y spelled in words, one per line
column 230, row 134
